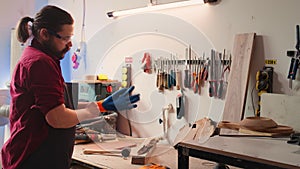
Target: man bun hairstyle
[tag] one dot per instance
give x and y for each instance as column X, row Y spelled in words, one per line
column 23, row 29
column 49, row 17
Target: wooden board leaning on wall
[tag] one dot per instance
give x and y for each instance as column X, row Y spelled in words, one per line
column 238, row 80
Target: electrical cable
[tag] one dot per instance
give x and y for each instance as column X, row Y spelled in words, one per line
column 83, row 42
column 81, row 49
column 83, row 22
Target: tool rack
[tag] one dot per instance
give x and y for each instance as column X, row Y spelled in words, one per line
column 190, row 62
column 195, row 70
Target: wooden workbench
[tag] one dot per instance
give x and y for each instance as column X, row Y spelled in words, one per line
column 245, row 152
column 102, row 161
column 163, row 154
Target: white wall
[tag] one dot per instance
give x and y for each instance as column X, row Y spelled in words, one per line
column 10, row 13
column 273, row 21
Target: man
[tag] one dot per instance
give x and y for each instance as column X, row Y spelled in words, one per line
column 42, row 128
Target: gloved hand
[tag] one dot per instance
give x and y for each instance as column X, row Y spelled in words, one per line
column 119, row 100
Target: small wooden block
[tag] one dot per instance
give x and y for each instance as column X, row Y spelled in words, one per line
column 140, row 160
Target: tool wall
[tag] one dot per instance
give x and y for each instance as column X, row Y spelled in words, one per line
column 156, row 55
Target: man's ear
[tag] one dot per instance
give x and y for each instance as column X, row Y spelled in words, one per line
column 44, row 34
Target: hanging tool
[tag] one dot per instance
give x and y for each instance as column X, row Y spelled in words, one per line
column 178, row 79
column 166, row 77
column 173, row 72
column 195, row 75
column 206, row 68
column 190, row 66
column 161, row 76
column 221, row 81
column 146, row 63
column 165, row 120
column 157, row 70
column 165, row 74
column 294, row 65
column 201, row 73
column 187, row 71
column 198, row 80
column 169, row 78
column 218, row 74
column 180, row 101
column 212, row 84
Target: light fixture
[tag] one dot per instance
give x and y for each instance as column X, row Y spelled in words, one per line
column 154, row 7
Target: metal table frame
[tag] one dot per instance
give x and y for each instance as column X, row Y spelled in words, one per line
column 226, row 156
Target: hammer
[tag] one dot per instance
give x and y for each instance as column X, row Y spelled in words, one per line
column 125, row 152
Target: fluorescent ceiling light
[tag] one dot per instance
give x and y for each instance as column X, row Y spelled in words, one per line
column 153, row 7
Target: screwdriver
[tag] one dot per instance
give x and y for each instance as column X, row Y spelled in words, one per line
column 195, row 76
column 157, row 72
column 169, row 80
column 161, row 76
column 165, row 75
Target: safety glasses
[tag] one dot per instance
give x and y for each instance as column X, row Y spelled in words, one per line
column 64, row 38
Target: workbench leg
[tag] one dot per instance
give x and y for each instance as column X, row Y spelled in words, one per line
column 183, row 157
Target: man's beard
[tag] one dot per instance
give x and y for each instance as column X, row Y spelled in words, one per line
column 62, row 53
column 59, row 54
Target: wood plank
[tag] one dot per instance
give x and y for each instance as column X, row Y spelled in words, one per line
column 238, row 80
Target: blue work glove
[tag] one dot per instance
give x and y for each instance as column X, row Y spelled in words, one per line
column 119, row 100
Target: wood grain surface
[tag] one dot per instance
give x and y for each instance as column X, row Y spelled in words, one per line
column 238, row 80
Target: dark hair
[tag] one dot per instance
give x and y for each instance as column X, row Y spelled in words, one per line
column 49, row 17
column 22, row 29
